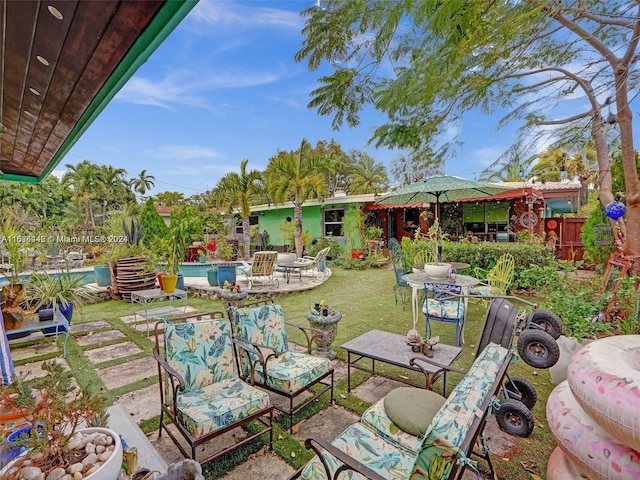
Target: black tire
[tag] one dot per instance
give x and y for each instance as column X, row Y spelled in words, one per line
column 546, row 321
column 521, row 389
column 514, row 418
column 538, row 349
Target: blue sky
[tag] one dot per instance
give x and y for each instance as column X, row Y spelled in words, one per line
column 224, row 87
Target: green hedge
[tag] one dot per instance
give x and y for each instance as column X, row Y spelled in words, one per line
column 485, row 255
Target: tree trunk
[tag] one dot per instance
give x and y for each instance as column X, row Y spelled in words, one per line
column 246, row 238
column 297, row 215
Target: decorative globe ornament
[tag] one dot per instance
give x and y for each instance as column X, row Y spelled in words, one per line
column 615, row 210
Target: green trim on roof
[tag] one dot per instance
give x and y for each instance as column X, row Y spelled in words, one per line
column 164, row 22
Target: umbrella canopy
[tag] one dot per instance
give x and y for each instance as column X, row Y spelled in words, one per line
column 439, row 189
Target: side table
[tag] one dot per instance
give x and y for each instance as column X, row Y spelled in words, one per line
column 328, row 325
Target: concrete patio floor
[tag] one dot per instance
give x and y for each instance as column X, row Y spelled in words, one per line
column 143, row 404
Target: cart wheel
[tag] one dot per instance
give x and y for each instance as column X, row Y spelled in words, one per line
column 521, row 389
column 538, row 349
column 547, row 321
column 514, row 418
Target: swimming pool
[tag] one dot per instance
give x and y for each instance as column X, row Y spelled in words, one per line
column 88, row 276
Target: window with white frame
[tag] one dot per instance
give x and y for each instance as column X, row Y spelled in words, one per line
column 332, row 222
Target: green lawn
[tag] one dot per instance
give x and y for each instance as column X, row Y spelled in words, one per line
column 366, row 300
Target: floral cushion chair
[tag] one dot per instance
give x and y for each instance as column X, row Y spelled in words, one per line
column 375, row 448
column 200, row 391
column 265, row 360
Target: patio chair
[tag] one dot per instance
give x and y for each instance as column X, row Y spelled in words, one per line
column 497, row 280
column 201, row 393
column 444, row 303
column 265, row 360
column 317, row 264
column 262, row 268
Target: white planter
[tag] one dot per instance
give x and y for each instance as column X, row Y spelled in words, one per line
column 110, row 470
column 437, row 270
column 286, row 257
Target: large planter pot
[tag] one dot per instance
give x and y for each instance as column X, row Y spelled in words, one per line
column 212, row 276
column 169, row 282
column 226, row 272
column 109, row 470
column 437, row 270
column 180, row 282
column 103, row 275
column 328, row 325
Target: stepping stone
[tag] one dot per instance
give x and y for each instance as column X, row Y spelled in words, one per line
column 99, row 337
column 34, row 369
column 111, row 352
column 129, row 372
column 142, row 404
column 376, row 387
column 327, row 423
column 264, row 464
column 30, row 351
column 90, row 326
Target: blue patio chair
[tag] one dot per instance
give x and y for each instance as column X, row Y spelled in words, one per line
column 444, row 303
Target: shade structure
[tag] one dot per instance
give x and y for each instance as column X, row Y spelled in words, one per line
column 439, row 189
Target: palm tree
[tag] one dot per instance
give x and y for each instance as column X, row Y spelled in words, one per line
column 296, row 177
column 83, row 179
column 112, row 186
column 143, row 182
column 368, row 176
column 582, row 164
column 241, row 190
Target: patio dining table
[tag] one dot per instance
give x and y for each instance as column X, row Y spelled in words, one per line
column 417, row 280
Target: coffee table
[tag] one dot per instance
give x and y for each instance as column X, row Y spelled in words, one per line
column 393, row 349
column 288, row 268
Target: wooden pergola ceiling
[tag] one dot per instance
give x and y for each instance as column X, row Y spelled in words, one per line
column 61, row 62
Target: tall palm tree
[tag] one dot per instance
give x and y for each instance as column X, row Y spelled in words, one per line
column 240, row 190
column 368, row 176
column 83, row 179
column 296, row 177
column 142, row 182
column 112, row 186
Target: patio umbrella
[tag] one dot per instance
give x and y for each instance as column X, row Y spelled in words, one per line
column 439, row 189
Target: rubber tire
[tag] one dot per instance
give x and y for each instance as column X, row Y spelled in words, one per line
column 538, row 349
column 514, row 418
column 523, row 388
column 548, row 321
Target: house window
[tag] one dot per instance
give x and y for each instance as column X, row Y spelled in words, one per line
column 332, row 222
column 253, row 220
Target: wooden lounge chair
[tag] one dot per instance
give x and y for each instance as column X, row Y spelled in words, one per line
column 262, row 268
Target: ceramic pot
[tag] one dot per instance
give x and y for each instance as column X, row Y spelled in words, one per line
column 437, row 270
column 212, row 276
column 169, row 282
column 226, row 272
column 103, row 275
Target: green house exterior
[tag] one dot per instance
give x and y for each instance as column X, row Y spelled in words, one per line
column 319, row 219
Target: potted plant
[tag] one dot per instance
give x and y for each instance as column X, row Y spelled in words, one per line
column 14, row 294
column 354, row 230
column 226, row 269
column 57, row 292
column 55, row 409
column 433, row 266
column 176, row 241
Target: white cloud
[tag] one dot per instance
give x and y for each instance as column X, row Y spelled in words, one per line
column 245, row 16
